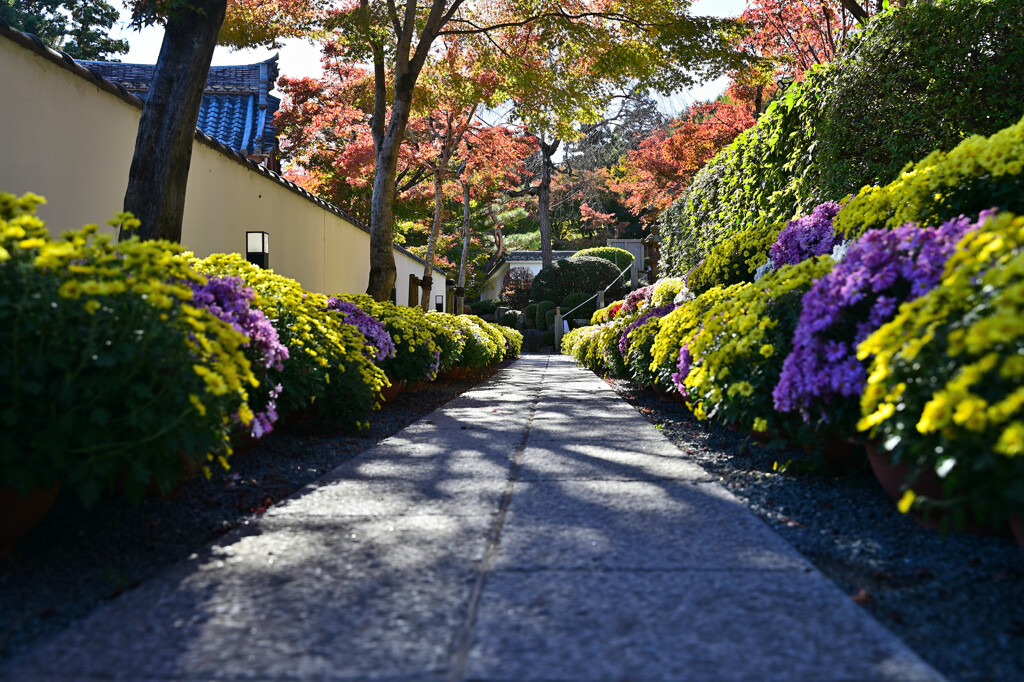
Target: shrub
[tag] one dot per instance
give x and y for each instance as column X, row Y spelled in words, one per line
column 530, row 316
column 510, row 319
column 639, row 352
column 231, row 301
column 733, row 360
column 542, row 314
column 945, row 386
column 980, row 173
column 675, row 332
column 625, row 337
column 327, row 366
column 618, row 257
column 913, row 80
column 606, row 313
column 515, row 287
column 735, row 259
column 513, row 342
column 377, row 342
column 112, row 378
column 670, row 290
column 417, row 356
column 485, row 345
column 806, row 237
column 921, row 78
column 449, row 338
column 822, row 378
column 583, row 312
column 547, row 339
column 576, row 275
column 485, row 307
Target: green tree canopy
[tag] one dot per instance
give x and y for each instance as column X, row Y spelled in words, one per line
column 79, row 27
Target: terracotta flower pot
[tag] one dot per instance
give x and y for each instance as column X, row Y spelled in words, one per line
column 842, row 454
column 664, row 395
column 389, row 393
column 1017, row 528
column 893, row 477
column 20, row 514
column 448, row 374
column 414, row 387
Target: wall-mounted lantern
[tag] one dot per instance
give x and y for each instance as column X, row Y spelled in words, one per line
column 257, row 248
column 439, row 303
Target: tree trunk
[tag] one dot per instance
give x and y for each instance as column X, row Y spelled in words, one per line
column 858, row 12
column 459, row 300
column 544, row 201
column 435, row 230
column 163, row 145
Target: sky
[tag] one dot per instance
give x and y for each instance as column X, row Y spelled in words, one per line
column 299, row 58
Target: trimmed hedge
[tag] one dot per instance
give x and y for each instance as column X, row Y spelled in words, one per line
column 584, row 274
column 618, row 257
column 917, row 78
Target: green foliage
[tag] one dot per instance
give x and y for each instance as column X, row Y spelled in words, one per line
column 583, row 313
column 737, row 353
column 640, row 354
column 326, row 365
column 530, row 316
column 448, row 337
column 977, row 174
column 902, row 87
column 78, row 27
column 510, row 319
column 112, row 380
column 577, row 275
column 734, row 259
column 619, row 257
column 540, row 321
column 513, row 342
column 921, row 78
column 485, row 307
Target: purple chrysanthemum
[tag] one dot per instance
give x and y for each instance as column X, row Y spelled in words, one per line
column 806, row 237
column 641, row 321
column 882, row 269
column 682, row 369
column 228, row 299
column 376, row 336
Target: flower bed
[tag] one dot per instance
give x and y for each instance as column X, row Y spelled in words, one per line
column 132, row 364
column 909, row 333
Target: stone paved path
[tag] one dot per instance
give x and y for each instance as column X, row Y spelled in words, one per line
column 536, row 528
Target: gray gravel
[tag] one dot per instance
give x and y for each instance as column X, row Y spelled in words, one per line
column 78, row 559
column 955, row 600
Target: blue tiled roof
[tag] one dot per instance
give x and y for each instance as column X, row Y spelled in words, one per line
column 237, row 110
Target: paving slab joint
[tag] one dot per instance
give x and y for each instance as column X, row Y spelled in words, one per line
column 464, row 641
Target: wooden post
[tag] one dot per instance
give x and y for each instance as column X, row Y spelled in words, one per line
column 414, row 291
column 600, row 299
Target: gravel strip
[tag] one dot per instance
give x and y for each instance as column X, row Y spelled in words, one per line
column 77, row 559
column 955, row 600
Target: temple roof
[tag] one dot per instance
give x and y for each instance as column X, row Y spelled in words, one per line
column 237, row 109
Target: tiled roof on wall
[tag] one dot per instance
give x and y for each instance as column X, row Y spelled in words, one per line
column 237, row 109
column 65, row 61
